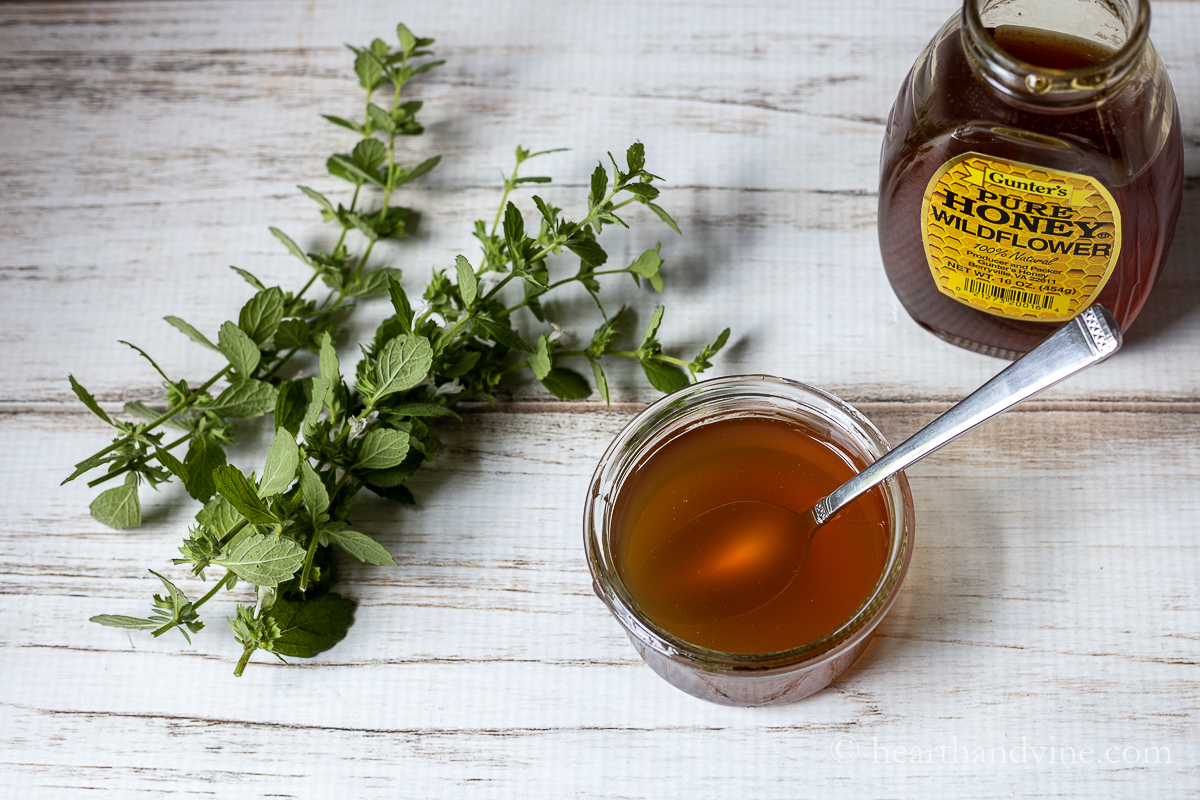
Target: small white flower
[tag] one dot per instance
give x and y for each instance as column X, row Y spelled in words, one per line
column 453, row 387
column 266, row 599
column 357, row 426
column 557, row 334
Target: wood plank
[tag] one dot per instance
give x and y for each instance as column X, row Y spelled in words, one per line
column 150, row 145
column 1036, row 607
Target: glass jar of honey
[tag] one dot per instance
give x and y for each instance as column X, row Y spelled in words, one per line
column 763, row 439
column 1032, row 166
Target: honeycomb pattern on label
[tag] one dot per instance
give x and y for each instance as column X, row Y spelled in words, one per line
column 1017, row 240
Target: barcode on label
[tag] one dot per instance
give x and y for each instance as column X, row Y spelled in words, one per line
column 1013, row 297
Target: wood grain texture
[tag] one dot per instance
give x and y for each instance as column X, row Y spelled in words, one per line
column 150, row 145
column 1051, row 600
column 483, row 666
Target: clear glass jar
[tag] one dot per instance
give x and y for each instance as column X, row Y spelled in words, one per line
column 1032, row 166
column 731, row 678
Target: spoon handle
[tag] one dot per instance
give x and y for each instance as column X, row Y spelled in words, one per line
column 1088, row 339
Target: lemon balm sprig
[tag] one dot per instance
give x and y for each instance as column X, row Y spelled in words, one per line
column 336, row 434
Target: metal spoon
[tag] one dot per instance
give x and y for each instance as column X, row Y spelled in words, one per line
column 711, row 567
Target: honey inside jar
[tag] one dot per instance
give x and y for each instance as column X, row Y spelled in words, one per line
column 771, row 460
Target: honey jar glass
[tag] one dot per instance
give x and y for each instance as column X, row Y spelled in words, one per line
column 1032, row 165
column 744, row 679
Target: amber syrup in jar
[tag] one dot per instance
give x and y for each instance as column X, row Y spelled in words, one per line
column 1028, row 171
column 748, row 458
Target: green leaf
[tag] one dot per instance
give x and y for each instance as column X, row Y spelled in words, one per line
column 402, row 177
column 88, row 464
column 349, row 125
column 260, row 317
column 245, row 398
column 311, row 626
column 503, row 333
column 400, row 302
column 703, row 361
column 292, row 247
column 421, row 410
column 118, row 621
column 283, row 457
column 203, row 456
column 408, row 42
column 330, row 368
column 290, row 406
column 381, row 118
column 589, row 250
column 549, row 213
column 342, row 167
column 239, row 348
column 119, row 508
column 599, row 185
column 635, row 157
column 539, row 362
column 369, row 154
column 363, row 225
column 373, row 283
column 468, row 286
column 136, row 408
column 176, row 596
column 457, row 364
column 604, row 335
column 652, row 328
column 345, row 123
column 190, row 332
column 172, row 463
column 250, row 279
column 514, row 228
column 351, row 170
column 89, row 401
column 665, row 377
column 368, row 70
column 238, row 490
column 404, row 362
column 292, row 334
column 648, row 263
column 362, row 547
column 643, row 190
column 567, row 384
column 601, row 381
column 665, row 217
column 397, row 494
column 320, row 199
column 312, row 489
column 320, row 395
column 382, row 448
column 263, row 560
column 220, row 515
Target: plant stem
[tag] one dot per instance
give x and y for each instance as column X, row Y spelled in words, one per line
column 244, row 660
column 168, row 414
column 220, row 585
column 109, row 476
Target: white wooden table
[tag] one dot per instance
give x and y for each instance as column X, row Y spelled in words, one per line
column 1052, row 601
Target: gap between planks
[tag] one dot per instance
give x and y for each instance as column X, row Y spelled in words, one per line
column 924, row 405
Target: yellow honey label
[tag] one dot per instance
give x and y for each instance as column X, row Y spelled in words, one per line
column 1017, row 240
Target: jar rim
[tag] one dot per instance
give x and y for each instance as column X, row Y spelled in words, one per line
column 1051, row 85
column 626, row 450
